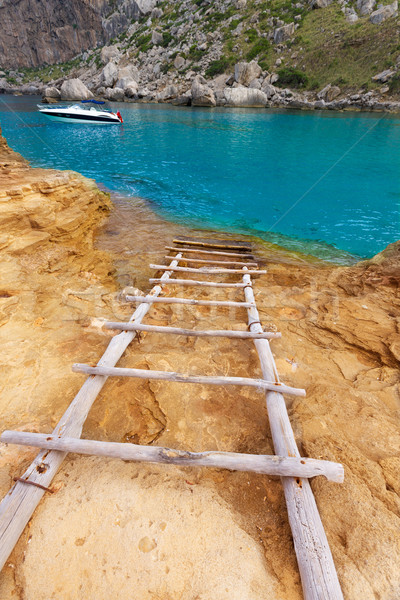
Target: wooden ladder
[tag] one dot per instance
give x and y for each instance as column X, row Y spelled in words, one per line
column 317, row 570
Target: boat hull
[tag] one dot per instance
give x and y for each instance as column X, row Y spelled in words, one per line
column 86, row 119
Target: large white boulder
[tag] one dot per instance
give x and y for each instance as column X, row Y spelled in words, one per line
column 52, row 92
column 131, row 90
column 75, row 89
column 202, row 95
column 242, row 96
column 168, row 93
column 108, row 53
column 116, row 94
column 246, row 72
column 126, row 75
column 146, row 6
column 109, row 75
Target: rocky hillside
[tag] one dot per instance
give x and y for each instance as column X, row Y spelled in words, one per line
column 325, row 52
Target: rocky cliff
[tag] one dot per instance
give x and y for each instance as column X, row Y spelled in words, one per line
column 38, row 32
column 325, row 54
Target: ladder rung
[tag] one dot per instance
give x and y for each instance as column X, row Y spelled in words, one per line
column 151, row 299
column 193, row 282
column 282, row 466
column 213, row 262
column 213, row 243
column 193, row 251
column 268, row 335
column 212, row 271
column 181, row 378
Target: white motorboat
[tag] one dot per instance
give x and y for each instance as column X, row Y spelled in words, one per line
column 81, row 114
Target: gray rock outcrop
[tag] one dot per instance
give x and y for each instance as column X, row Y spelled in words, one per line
column 268, row 89
column 329, row 93
column 108, row 53
column 179, row 62
column 115, row 94
column 384, row 13
column 52, row 92
column 246, row 72
column 320, row 3
column 156, row 37
column 168, row 93
column 75, row 89
column 47, row 32
column 131, row 90
column 202, row 95
column 384, row 76
column 365, row 7
column 126, row 76
column 284, row 33
column 109, row 75
column 245, row 97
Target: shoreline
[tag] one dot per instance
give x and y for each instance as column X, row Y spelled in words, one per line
column 340, row 341
column 307, row 246
column 290, row 100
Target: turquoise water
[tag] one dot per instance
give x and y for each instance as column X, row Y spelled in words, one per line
column 327, row 183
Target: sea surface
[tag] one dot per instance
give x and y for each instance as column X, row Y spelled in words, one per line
column 323, row 183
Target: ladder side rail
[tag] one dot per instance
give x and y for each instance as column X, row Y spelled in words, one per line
column 317, row 569
column 18, row 505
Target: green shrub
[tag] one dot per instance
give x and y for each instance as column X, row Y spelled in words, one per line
column 143, row 42
column 260, row 47
column 167, row 39
column 251, row 34
column 394, row 84
column 216, row 67
column 165, row 67
column 292, row 77
column 194, row 53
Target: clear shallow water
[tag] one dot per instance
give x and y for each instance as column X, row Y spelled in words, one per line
column 324, row 183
